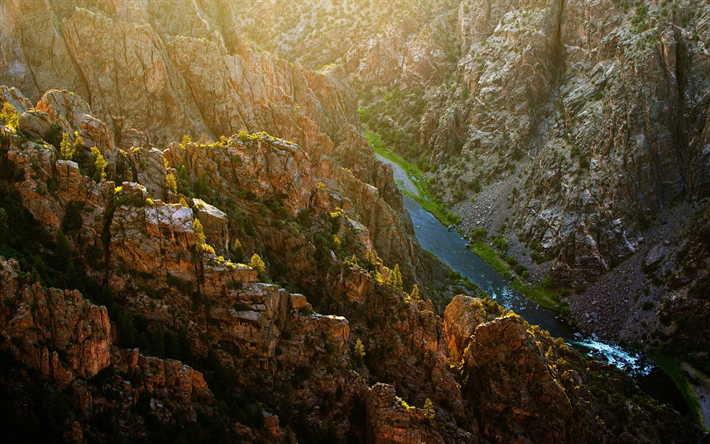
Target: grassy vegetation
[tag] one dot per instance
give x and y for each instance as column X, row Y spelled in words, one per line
column 543, row 296
column 485, row 252
column 672, row 366
column 424, row 198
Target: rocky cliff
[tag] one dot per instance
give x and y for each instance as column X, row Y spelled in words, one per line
column 140, row 76
column 571, row 129
column 162, row 292
column 591, row 114
column 198, row 244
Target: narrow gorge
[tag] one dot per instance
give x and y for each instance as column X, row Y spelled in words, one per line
column 211, row 221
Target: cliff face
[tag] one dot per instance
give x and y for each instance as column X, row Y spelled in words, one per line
column 574, row 130
column 519, row 381
column 175, row 297
column 162, row 290
column 140, row 75
column 592, row 114
column 155, row 73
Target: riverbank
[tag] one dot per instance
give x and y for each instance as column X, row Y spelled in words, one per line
column 483, row 265
column 409, row 177
column 414, row 175
column 697, row 396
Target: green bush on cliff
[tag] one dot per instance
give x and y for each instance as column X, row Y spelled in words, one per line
column 546, row 282
column 358, row 354
column 171, row 183
column 258, row 265
column 98, row 165
column 9, row 117
column 501, row 244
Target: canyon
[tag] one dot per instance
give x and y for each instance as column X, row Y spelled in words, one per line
column 197, row 242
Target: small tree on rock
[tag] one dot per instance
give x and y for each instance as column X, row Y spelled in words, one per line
column 429, row 410
column 359, row 354
column 200, row 238
column 237, row 251
column 415, row 293
column 396, row 280
column 98, row 165
column 258, row 265
column 171, row 183
column 370, row 260
column 66, row 151
column 8, row 116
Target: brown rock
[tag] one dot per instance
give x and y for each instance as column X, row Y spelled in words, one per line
column 460, row 321
column 64, row 319
column 391, row 422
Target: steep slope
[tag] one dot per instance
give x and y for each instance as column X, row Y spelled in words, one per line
column 172, row 292
column 570, row 129
column 148, row 256
column 593, row 113
column 154, row 76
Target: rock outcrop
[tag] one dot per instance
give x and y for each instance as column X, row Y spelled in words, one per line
column 518, row 381
column 173, row 335
column 63, row 320
column 391, row 422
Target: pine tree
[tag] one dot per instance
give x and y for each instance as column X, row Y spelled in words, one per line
column 415, row 293
column 200, row 238
column 66, row 152
column 377, row 276
column 359, row 354
column 397, row 278
column 171, row 183
column 453, row 358
column 258, row 265
column 429, row 411
column 62, row 253
column 8, row 116
column 237, row 251
column 99, row 164
column 370, row 259
column 78, row 143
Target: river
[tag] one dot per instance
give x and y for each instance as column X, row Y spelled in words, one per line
column 449, row 246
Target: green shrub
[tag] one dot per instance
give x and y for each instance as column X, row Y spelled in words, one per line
column 73, row 221
column 479, row 233
column 9, row 117
column 546, row 282
column 258, row 265
column 171, row 183
column 98, row 165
